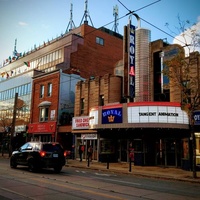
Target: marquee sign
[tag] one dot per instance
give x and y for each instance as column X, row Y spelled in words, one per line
column 112, row 115
column 157, row 114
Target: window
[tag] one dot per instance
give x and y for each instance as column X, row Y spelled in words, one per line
column 44, row 114
column 101, row 100
column 186, row 93
column 99, row 40
column 49, row 90
column 41, row 91
column 82, row 105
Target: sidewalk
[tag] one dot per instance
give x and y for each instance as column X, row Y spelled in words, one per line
column 169, row 173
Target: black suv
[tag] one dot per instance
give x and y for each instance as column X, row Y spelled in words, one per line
column 37, row 155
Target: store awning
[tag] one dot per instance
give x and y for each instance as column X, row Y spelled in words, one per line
column 84, row 131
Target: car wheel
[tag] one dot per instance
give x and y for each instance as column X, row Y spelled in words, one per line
column 57, row 169
column 31, row 166
column 13, row 163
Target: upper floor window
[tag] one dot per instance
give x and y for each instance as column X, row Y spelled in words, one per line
column 99, row 40
column 41, row 91
column 101, row 100
column 44, row 114
column 82, row 105
column 49, row 89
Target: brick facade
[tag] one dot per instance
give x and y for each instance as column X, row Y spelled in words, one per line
column 53, row 78
column 108, row 86
column 93, row 59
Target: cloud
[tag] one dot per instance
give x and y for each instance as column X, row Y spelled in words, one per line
column 22, row 23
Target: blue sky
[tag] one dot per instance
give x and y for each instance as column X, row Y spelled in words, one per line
column 32, row 22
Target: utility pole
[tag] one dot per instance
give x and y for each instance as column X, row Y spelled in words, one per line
column 13, row 125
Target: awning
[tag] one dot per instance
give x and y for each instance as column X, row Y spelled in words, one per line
column 84, row 131
column 44, row 103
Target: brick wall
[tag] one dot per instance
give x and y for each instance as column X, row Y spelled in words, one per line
column 53, row 78
column 93, row 59
column 109, row 86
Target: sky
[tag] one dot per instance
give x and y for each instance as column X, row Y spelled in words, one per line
column 33, row 22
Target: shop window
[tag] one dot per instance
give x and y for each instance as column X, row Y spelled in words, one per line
column 44, row 113
column 41, row 91
column 138, row 145
column 106, row 146
column 197, row 136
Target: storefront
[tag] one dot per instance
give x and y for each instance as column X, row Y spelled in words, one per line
column 157, row 130
column 197, row 136
column 85, row 137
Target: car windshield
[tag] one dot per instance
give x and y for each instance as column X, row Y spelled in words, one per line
column 52, row 147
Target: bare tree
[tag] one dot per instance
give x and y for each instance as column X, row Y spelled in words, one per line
column 13, row 115
column 183, row 73
column 5, row 124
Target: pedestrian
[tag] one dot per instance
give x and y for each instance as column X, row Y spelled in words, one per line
column 131, row 152
column 81, row 150
column 89, row 153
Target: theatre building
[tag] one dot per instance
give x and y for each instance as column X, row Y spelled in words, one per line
column 136, row 106
column 158, row 131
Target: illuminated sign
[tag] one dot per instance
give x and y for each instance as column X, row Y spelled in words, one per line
column 80, row 122
column 157, row 114
column 132, row 61
column 196, row 117
column 113, row 115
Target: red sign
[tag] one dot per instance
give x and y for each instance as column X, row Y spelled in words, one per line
column 47, row 127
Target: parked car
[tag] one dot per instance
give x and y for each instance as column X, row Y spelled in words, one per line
column 38, row 155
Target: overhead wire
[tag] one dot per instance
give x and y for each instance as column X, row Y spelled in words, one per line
column 132, row 12
column 129, row 13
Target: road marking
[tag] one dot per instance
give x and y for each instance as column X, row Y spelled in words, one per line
column 80, row 171
column 112, row 180
column 102, row 174
column 17, row 193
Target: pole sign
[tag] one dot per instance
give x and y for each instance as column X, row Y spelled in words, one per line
column 132, row 61
column 196, row 117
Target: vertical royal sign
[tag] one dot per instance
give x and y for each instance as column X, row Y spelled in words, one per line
column 132, row 61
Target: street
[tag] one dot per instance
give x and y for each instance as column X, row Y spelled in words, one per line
column 76, row 184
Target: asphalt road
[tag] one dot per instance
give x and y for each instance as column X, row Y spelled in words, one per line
column 79, row 184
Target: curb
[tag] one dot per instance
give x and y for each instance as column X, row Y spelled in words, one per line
column 139, row 174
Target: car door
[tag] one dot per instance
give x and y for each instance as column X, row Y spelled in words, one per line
column 24, row 153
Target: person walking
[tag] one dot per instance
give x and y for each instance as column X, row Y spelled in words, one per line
column 81, row 150
column 89, row 153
